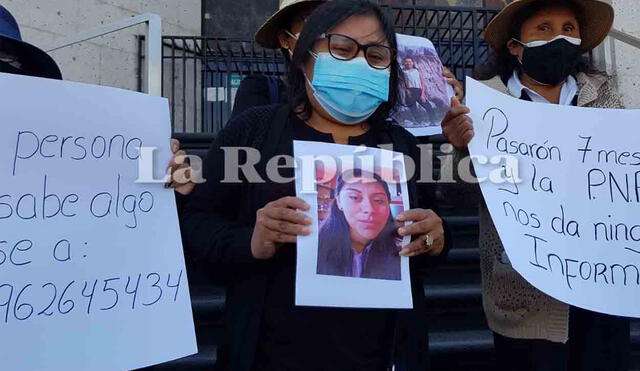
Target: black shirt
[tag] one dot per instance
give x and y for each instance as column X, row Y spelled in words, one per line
column 258, row 90
column 305, row 338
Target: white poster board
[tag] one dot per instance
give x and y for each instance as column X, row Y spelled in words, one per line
column 92, row 273
column 337, row 182
column 425, row 95
column 568, row 212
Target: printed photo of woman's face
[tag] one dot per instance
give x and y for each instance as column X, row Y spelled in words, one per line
column 366, row 208
column 352, row 257
column 358, row 236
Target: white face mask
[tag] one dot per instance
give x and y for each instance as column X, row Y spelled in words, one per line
column 295, row 37
column 536, row 43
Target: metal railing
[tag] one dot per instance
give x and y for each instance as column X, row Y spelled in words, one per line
column 153, row 23
column 608, row 53
column 625, row 38
column 202, row 74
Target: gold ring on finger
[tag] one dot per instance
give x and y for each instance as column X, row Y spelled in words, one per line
column 428, row 241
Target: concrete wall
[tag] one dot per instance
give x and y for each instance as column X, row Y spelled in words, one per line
column 626, row 58
column 110, row 60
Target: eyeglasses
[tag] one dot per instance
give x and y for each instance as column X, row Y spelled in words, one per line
column 345, row 48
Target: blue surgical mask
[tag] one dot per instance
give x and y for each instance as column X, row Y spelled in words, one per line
column 350, row 91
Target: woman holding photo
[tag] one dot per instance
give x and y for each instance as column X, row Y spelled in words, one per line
column 248, row 223
column 359, row 237
column 282, row 31
column 537, row 47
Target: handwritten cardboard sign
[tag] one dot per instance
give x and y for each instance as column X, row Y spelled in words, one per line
column 92, row 274
column 568, row 213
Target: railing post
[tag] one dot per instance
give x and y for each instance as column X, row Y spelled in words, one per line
column 604, row 56
column 154, row 55
column 153, row 41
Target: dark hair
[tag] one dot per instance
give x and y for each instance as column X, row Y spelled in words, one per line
column 335, row 238
column 322, row 20
column 501, row 63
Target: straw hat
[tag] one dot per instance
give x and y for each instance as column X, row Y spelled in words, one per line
column 597, row 19
column 267, row 34
column 35, row 62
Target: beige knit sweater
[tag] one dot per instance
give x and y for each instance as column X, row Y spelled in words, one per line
column 512, row 306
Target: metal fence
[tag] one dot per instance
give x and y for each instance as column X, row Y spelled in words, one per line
column 202, row 74
column 455, row 32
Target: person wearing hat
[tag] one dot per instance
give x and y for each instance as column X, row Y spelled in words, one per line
column 342, row 86
column 280, row 31
column 537, row 56
column 19, row 57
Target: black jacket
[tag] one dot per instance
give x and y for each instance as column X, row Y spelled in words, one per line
column 218, row 224
column 258, row 90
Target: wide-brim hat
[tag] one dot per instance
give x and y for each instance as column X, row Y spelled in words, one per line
column 34, row 61
column 267, row 34
column 596, row 22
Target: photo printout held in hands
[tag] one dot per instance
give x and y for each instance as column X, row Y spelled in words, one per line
column 351, row 259
column 562, row 185
column 425, row 95
column 92, row 274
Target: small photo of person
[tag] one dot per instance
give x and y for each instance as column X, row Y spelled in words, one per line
column 415, row 93
column 425, row 95
column 358, row 233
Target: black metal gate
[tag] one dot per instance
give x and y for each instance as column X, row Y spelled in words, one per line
column 202, row 74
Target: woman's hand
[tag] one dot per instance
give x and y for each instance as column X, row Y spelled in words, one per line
column 180, row 183
column 457, row 126
column 427, row 225
column 455, row 84
column 277, row 223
